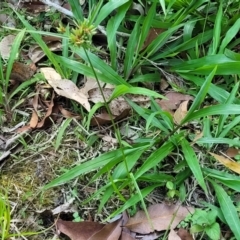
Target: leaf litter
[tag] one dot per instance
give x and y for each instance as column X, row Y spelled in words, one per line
column 162, row 216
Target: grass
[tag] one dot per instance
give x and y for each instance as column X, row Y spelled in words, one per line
column 198, row 44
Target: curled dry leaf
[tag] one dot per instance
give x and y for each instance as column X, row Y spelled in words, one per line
column 184, row 234
column 181, row 112
column 111, row 231
column 162, row 217
column 173, row 101
column 22, row 72
column 232, row 165
column 78, row 230
column 232, row 152
column 5, row 46
column 117, row 105
column 35, row 53
column 65, row 87
column 173, row 235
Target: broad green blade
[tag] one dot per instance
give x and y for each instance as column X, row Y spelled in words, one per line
column 193, row 163
column 228, row 209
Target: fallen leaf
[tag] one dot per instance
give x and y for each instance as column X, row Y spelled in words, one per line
column 91, row 83
column 35, row 53
column 117, row 105
column 68, row 114
column 161, row 216
column 232, row 152
column 152, row 35
column 181, row 112
column 232, row 165
column 111, row 231
column 126, row 236
column 22, row 72
column 173, row 235
column 65, row 87
column 184, row 234
column 34, row 120
column 5, row 46
column 78, row 230
column 163, row 84
column 173, row 101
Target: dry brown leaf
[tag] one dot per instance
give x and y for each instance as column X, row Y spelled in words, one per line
column 184, row 234
column 22, row 72
column 34, row 119
column 232, row 165
column 161, row 216
column 35, row 53
column 173, row 100
column 5, row 46
column 181, row 112
column 65, row 87
column 111, row 231
column 173, row 235
column 78, row 230
column 118, row 105
column 126, row 236
column 152, row 35
column 232, row 152
column 68, row 114
column 163, row 84
column 91, row 83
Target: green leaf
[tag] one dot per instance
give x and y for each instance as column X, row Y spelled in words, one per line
column 201, row 95
column 193, row 163
column 76, row 9
column 101, row 66
column 112, row 28
column 61, row 132
column 88, row 166
column 213, row 231
column 229, row 35
column 220, row 109
column 133, row 200
column 107, row 9
column 131, row 55
column 217, row 30
column 229, row 210
column 14, row 54
column 123, row 89
column 155, row 158
column 42, row 44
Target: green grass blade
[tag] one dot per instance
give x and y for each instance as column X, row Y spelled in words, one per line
column 24, row 85
column 94, row 11
column 134, row 200
column 42, row 44
column 155, row 158
column 61, row 132
column 130, row 54
column 201, row 95
column 101, row 66
column 193, row 163
column 223, row 118
column 123, row 89
column 220, row 109
column 112, row 28
column 14, row 54
column 217, row 30
column 229, row 180
column 76, row 9
column 230, row 34
column 88, row 166
column 107, row 9
column 210, row 140
column 228, row 209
